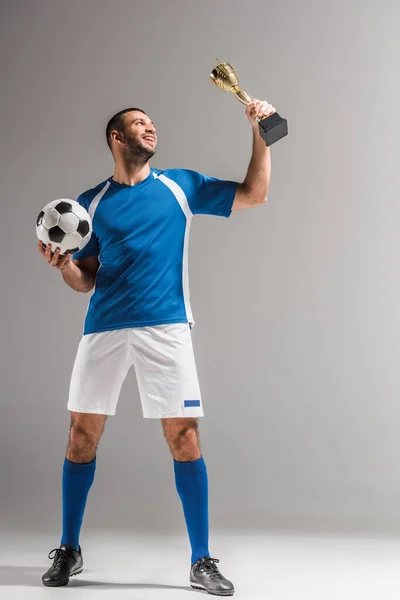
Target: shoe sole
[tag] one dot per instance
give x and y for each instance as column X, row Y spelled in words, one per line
column 203, row 589
column 56, row 584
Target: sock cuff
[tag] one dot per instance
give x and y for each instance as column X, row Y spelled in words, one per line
column 71, row 467
column 193, row 467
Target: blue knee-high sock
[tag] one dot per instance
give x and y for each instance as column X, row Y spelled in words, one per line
column 76, row 482
column 192, row 486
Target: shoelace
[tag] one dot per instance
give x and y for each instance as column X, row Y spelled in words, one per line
column 208, row 565
column 60, row 557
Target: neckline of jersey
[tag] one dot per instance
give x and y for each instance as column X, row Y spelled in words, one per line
column 132, row 187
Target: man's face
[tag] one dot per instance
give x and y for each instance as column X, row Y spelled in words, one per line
column 140, row 138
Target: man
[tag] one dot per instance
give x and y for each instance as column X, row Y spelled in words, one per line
column 140, row 314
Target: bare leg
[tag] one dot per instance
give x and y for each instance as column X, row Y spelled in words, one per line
column 191, row 480
column 78, row 472
column 84, row 436
column 182, row 435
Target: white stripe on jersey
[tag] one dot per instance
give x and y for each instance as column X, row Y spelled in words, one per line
column 96, row 199
column 183, row 203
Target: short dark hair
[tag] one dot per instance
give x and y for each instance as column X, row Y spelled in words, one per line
column 117, row 122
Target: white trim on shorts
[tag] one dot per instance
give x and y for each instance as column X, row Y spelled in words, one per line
column 164, row 364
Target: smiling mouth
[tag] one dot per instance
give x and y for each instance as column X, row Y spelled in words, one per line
column 149, row 138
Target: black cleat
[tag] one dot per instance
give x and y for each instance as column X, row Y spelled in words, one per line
column 204, row 575
column 67, row 562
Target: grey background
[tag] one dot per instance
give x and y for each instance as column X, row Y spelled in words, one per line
column 297, row 324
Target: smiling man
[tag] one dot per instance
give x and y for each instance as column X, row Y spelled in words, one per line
column 140, row 315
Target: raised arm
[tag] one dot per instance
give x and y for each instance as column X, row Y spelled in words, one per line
column 254, row 189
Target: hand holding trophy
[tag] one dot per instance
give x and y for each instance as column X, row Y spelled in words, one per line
column 272, row 127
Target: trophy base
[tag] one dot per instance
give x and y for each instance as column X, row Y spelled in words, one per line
column 273, row 128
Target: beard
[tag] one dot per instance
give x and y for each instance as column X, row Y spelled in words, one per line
column 136, row 152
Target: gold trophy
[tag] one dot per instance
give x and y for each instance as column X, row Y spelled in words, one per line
column 273, row 127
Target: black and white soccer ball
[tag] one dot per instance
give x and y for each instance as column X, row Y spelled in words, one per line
column 65, row 224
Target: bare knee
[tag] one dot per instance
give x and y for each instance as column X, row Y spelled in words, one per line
column 84, row 436
column 182, row 435
column 82, row 442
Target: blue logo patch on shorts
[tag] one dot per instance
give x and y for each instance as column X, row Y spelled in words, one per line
column 192, row 403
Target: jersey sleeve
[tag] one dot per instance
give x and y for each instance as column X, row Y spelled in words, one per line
column 92, row 247
column 208, row 195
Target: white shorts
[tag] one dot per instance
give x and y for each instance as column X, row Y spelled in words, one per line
column 165, row 368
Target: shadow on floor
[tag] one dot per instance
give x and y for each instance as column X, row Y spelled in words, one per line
column 31, row 576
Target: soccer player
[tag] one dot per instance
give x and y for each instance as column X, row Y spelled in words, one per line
column 139, row 314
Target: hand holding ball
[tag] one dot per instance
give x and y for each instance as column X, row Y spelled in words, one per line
column 64, row 224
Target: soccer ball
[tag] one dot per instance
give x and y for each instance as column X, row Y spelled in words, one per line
column 64, row 224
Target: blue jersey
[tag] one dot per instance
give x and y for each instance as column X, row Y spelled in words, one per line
column 141, row 235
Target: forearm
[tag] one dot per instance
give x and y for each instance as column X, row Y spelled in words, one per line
column 258, row 174
column 77, row 278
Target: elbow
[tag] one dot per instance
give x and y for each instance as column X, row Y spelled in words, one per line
column 90, row 282
column 86, row 289
column 264, row 195
column 257, row 200
column 261, row 199
column 247, row 198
